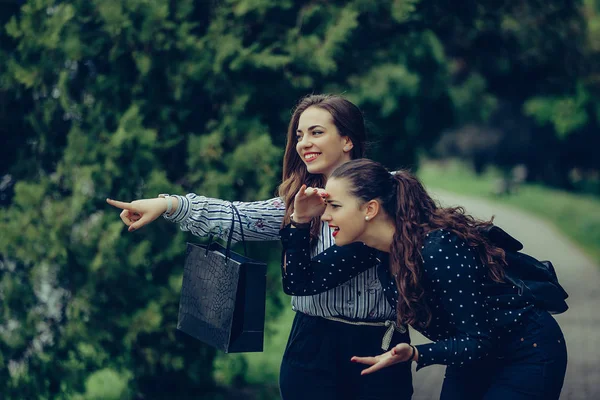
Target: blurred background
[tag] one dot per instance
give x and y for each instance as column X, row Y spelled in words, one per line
column 495, row 100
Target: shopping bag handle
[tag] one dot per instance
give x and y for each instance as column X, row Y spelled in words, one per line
column 234, row 212
column 231, row 231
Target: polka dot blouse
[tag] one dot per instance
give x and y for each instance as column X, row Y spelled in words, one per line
column 303, row 276
column 468, row 309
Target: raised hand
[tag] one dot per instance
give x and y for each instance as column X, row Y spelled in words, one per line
column 139, row 213
column 309, row 203
column 402, row 352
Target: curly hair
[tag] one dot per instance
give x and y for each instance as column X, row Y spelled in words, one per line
column 404, row 198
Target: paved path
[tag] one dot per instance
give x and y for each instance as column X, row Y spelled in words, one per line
column 577, row 273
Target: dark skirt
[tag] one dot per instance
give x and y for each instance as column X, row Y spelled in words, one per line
column 316, row 363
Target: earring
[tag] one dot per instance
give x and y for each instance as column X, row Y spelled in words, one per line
column 366, row 218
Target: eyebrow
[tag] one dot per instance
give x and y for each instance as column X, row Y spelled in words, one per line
column 331, row 201
column 310, row 128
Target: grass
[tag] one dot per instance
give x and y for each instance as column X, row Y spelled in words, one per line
column 576, row 216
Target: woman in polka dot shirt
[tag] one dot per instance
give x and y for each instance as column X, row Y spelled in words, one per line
column 443, row 278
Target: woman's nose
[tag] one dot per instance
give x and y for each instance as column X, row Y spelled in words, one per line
column 305, row 141
column 325, row 217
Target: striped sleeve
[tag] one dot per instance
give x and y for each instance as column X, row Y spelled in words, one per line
column 203, row 216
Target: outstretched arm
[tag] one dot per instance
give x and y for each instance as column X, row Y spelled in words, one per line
column 203, row 216
column 303, row 275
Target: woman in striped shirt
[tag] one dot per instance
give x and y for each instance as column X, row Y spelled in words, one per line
column 325, row 131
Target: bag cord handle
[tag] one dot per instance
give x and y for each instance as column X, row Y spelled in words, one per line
column 234, row 212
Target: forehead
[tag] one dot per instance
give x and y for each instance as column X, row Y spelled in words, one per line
column 314, row 116
column 337, row 189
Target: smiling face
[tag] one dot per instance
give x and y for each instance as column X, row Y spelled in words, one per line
column 319, row 143
column 345, row 213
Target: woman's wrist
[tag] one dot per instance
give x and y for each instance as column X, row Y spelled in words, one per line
column 175, row 205
column 170, row 204
column 299, row 219
column 415, row 355
column 299, row 222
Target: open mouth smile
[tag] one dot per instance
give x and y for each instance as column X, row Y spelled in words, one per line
column 310, row 157
column 336, row 230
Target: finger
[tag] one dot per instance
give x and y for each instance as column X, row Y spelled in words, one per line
column 121, row 204
column 140, row 223
column 313, row 193
column 125, row 217
column 310, row 191
column 364, row 360
column 322, row 193
column 373, row 368
column 301, row 192
column 134, row 216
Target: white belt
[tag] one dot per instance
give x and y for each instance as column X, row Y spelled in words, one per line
column 387, row 337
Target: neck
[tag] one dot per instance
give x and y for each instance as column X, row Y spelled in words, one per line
column 328, row 173
column 379, row 234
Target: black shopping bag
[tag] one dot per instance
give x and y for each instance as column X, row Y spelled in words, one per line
column 223, row 296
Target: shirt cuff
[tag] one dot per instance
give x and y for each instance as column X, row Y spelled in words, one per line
column 182, row 212
column 426, row 355
column 295, row 238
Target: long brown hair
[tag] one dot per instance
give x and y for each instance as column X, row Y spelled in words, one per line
column 348, row 120
column 415, row 214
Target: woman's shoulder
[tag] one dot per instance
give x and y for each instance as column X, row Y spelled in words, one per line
column 440, row 234
column 440, row 239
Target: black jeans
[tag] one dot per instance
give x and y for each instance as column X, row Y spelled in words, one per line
column 530, row 363
column 316, row 363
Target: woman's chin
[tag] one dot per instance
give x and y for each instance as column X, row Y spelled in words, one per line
column 314, row 169
column 339, row 241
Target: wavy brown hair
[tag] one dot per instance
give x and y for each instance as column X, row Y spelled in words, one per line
column 405, row 200
column 348, row 120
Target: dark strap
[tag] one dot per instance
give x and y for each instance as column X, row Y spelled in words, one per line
column 234, row 212
column 500, row 238
column 231, row 231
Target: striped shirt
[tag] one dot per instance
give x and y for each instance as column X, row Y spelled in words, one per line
column 359, row 299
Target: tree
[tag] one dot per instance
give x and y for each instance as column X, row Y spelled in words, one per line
column 128, row 99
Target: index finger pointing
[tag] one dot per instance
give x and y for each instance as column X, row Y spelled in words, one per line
column 120, row 204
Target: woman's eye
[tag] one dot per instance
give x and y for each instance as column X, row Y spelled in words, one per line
column 317, row 132
column 298, row 138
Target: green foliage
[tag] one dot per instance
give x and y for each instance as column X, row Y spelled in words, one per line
column 107, row 384
column 473, row 101
column 567, row 114
column 128, row 99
